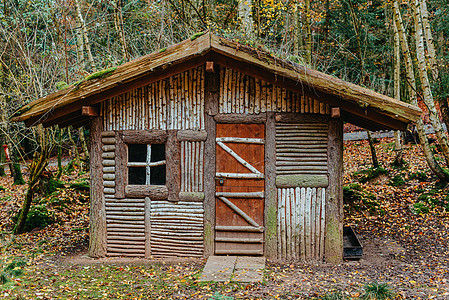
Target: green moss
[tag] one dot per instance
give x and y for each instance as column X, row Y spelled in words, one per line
column 101, row 74
column 207, row 232
column 397, row 181
column 196, row 35
column 60, row 85
column 78, row 82
column 334, row 241
column 371, row 173
column 163, row 50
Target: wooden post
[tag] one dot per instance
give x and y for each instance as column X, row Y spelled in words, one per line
column 333, row 247
column 173, row 149
column 270, row 188
column 212, row 85
column 97, row 214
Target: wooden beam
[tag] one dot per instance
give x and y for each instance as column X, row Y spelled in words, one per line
column 210, row 66
column 301, row 118
column 335, row 112
column 240, row 118
column 64, row 119
column 334, row 196
column 270, row 207
column 89, row 111
column 97, row 217
column 173, row 154
column 212, row 85
column 144, row 136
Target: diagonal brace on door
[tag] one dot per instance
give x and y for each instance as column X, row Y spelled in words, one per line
column 239, row 211
column 238, row 158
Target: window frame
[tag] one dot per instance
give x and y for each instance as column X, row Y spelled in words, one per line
column 169, row 191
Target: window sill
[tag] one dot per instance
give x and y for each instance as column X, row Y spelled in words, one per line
column 154, row 192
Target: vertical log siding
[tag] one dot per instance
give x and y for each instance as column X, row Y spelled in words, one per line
column 173, row 103
column 243, row 94
column 192, row 158
column 301, row 223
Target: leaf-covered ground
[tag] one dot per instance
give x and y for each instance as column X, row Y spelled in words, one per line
column 400, row 217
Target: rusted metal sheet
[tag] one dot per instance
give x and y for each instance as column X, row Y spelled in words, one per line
column 244, row 94
column 239, row 189
column 173, row 103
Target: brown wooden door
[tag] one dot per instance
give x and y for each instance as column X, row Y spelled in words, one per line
column 240, row 188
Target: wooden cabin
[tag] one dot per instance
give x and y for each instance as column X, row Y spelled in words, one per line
column 210, row 147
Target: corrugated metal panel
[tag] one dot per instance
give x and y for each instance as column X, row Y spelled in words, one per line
column 301, row 148
column 125, row 227
column 301, row 223
column 176, row 229
column 240, row 93
column 173, row 103
column 192, row 161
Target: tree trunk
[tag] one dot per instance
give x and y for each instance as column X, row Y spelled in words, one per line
column 429, row 39
column 398, row 159
column 80, row 20
column 307, row 23
column 425, row 84
column 79, row 43
column 36, row 168
column 410, row 77
column 297, row 36
column 246, row 18
column 373, row 150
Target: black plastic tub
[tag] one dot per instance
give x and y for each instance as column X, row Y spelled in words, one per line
column 352, row 248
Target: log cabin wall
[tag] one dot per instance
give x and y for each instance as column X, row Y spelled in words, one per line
column 243, row 94
column 176, row 102
column 302, row 178
column 165, row 226
column 301, row 164
column 159, row 226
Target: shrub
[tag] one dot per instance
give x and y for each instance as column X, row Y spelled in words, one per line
column 376, row 291
column 81, row 185
column 51, row 185
column 38, row 217
column 371, row 173
column 397, row 181
column 12, row 269
column 359, row 199
column 2, row 188
column 420, row 208
column 421, row 176
column 333, row 296
column 218, row 296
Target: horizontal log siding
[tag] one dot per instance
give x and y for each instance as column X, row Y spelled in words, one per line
column 173, row 103
column 301, row 223
column 176, row 229
column 301, row 148
column 192, row 161
column 243, row 94
column 125, row 220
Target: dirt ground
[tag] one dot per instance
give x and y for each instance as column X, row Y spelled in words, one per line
column 407, row 250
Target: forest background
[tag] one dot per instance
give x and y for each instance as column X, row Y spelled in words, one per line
column 397, row 48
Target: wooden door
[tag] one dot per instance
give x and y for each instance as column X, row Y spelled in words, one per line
column 240, row 188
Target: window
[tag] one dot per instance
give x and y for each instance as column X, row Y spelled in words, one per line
column 146, row 164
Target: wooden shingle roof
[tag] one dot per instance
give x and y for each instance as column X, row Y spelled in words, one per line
column 358, row 105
